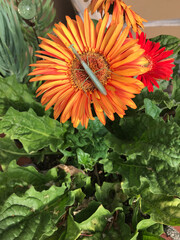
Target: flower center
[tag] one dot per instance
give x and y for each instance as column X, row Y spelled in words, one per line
column 147, row 62
column 97, row 63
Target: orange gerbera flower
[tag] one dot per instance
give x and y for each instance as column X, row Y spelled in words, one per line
column 120, row 12
column 110, row 55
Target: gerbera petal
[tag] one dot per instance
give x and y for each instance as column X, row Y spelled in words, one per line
column 113, row 37
column 107, row 37
column 92, row 34
column 97, row 5
column 159, row 67
column 61, row 51
column 129, row 58
column 87, row 25
column 61, row 36
column 80, row 25
column 101, row 31
column 53, row 60
column 113, row 52
column 67, row 110
column 109, row 54
column 74, row 30
column 120, row 13
column 50, row 77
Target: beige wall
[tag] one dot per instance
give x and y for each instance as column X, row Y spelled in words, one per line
column 157, row 10
column 148, row 9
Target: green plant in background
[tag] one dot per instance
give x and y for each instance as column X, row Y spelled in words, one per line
column 119, row 181
column 35, row 15
column 14, row 53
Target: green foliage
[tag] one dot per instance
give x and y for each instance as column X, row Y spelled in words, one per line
column 39, row 16
column 33, row 215
column 18, row 179
column 32, row 131
column 151, row 109
column 45, row 14
column 9, row 151
column 176, row 88
column 18, row 96
column 87, row 146
column 162, row 208
column 14, row 53
column 114, row 182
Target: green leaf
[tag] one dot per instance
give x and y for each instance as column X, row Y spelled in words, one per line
column 155, row 175
column 9, row 151
column 110, row 195
column 93, row 218
column 151, row 109
column 33, row 215
column 176, row 88
column 17, row 179
column 45, row 14
column 163, row 209
column 88, row 144
column 118, row 230
column 144, row 136
column 177, row 115
column 85, row 159
column 97, row 221
column 145, row 223
column 149, row 236
column 18, row 96
column 32, row 131
column 73, row 231
column 146, row 154
column 156, row 229
column 159, row 97
column 145, row 228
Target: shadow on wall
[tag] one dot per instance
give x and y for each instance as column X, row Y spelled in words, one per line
column 63, row 8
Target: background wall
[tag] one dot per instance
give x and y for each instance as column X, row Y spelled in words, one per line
column 148, row 9
column 158, row 10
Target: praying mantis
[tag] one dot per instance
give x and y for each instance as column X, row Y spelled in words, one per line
column 90, row 73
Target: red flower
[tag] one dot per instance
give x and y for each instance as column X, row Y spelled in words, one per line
column 160, row 68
